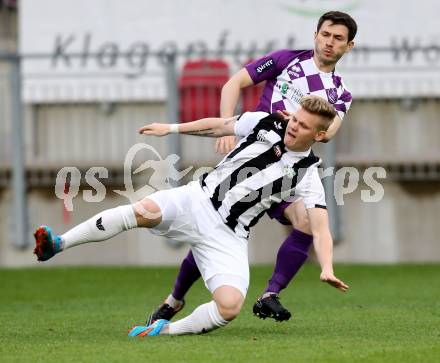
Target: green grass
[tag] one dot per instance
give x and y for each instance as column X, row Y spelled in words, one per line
column 390, row 314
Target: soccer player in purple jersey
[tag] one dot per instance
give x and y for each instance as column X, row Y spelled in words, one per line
column 289, row 75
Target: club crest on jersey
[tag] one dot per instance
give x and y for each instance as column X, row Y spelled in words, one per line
column 277, row 150
column 261, row 136
column 332, row 95
column 289, row 171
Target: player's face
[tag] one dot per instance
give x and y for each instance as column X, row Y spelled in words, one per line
column 302, row 130
column 331, row 42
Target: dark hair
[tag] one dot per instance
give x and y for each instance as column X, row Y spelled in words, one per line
column 338, row 17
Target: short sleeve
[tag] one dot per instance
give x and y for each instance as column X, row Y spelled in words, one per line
column 269, row 66
column 247, row 121
column 343, row 103
column 311, row 190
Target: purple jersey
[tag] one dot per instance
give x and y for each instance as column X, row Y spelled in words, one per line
column 292, row 74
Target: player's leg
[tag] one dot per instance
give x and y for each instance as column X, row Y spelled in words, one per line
column 222, row 258
column 188, row 274
column 224, row 307
column 223, row 261
column 291, row 255
column 108, row 223
column 294, row 250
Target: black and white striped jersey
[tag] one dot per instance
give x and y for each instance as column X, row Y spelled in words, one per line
column 259, row 172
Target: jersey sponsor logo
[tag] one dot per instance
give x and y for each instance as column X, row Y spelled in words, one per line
column 292, row 93
column 265, row 66
column 99, row 224
column 294, row 70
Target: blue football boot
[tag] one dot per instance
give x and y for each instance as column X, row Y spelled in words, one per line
column 47, row 244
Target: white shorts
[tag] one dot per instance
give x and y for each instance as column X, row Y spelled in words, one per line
column 189, row 216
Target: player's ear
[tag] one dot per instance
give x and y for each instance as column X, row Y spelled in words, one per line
column 320, row 135
column 350, row 46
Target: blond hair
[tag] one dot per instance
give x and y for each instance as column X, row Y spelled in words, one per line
column 319, row 106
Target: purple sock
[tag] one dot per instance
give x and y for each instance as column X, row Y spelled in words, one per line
column 188, row 274
column 291, row 256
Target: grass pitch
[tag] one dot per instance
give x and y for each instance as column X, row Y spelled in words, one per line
column 390, row 314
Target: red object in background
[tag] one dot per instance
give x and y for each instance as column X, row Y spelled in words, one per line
column 66, row 213
column 11, row 4
column 250, row 96
column 200, row 86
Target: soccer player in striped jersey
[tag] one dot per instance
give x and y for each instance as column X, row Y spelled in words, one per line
column 272, row 163
column 289, row 75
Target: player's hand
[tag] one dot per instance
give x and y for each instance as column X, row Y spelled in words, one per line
column 155, row 129
column 284, row 114
column 224, row 144
column 332, row 280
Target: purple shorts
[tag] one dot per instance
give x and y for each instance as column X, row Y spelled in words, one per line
column 277, row 211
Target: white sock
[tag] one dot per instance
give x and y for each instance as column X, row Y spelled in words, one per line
column 204, row 318
column 103, row 226
column 173, row 302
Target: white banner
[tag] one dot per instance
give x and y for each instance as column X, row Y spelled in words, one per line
column 86, row 50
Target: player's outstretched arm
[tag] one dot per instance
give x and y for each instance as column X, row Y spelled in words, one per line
column 209, row 127
column 323, row 243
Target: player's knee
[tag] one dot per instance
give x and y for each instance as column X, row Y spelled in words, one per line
column 230, row 309
column 303, row 224
column 148, row 213
column 229, row 301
